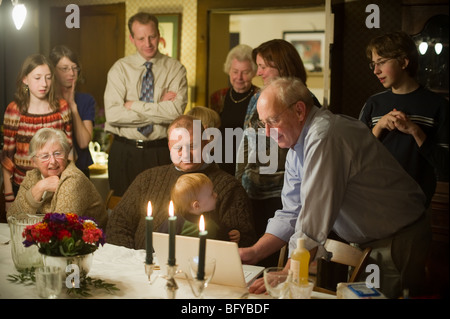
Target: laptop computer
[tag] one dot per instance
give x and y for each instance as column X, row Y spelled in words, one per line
column 229, row 269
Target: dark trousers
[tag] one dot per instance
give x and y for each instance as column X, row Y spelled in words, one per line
column 402, row 259
column 126, row 161
column 263, row 209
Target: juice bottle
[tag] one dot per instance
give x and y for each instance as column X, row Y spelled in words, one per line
column 300, row 263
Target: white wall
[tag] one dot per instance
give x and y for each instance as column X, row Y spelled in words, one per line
column 255, row 29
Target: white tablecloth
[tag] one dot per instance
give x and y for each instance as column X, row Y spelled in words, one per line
column 123, row 267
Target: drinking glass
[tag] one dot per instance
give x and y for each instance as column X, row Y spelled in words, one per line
column 198, row 286
column 301, row 291
column 276, row 280
column 48, row 281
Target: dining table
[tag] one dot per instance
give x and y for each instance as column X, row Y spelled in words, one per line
column 125, row 269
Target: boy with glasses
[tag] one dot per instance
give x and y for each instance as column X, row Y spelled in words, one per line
column 410, row 120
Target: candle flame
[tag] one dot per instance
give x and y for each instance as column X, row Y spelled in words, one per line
column 171, row 213
column 149, row 209
column 201, row 224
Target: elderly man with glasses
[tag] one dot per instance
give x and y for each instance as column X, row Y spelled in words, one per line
column 340, row 178
column 56, row 184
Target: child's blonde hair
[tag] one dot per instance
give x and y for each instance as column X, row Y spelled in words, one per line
column 209, row 117
column 186, row 191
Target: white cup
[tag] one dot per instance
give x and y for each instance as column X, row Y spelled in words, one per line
column 48, row 281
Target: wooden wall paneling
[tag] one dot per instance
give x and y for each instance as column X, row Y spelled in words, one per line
column 99, row 42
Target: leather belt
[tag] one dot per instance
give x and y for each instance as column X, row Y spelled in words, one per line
column 141, row 143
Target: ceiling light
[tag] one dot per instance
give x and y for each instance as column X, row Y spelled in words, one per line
column 19, row 14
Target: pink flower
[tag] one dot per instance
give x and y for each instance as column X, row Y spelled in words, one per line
column 92, row 235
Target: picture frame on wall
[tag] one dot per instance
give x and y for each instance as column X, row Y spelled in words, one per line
column 311, row 47
column 170, row 34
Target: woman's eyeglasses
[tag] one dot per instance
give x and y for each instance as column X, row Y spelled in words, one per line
column 46, row 157
column 67, row 69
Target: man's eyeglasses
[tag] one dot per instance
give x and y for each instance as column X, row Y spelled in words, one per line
column 272, row 122
column 379, row 64
column 46, row 157
column 67, row 69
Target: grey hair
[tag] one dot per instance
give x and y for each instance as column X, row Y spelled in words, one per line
column 290, row 90
column 45, row 135
column 241, row 52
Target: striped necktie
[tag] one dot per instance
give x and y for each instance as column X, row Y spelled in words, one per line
column 147, row 95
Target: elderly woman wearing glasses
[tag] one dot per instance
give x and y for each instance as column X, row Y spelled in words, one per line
column 56, row 184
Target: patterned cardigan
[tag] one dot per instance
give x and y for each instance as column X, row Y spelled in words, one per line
column 75, row 194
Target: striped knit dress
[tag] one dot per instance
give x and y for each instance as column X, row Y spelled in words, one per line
column 18, row 129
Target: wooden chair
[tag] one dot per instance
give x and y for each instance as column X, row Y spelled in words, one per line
column 346, row 254
column 111, row 201
column 282, row 258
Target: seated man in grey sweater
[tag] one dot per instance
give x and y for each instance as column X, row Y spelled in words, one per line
column 126, row 226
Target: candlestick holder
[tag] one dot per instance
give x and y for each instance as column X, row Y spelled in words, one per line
column 149, row 268
column 171, row 285
column 197, row 285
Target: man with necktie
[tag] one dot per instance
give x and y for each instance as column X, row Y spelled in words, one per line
column 144, row 93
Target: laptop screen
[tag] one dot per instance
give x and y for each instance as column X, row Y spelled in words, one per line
column 229, row 269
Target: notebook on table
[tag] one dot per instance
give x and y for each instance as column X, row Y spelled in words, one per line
column 229, row 269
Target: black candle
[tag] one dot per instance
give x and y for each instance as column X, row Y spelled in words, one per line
column 202, row 249
column 149, row 235
column 172, row 230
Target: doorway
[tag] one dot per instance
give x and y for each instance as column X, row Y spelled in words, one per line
column 207, row 10
column 99, row 43
column 285, row 24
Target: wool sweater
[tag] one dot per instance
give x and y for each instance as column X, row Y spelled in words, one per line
column 75, row 194
column 126, row 225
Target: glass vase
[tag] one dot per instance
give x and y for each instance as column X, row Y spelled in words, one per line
column 23, row 257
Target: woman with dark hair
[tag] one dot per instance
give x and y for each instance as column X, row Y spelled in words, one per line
column 35, row 106
column 82, row 105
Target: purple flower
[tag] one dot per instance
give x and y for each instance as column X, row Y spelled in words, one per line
column 27, row 243
column 58, row 218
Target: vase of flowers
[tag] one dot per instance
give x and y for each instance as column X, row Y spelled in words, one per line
column 65, row 239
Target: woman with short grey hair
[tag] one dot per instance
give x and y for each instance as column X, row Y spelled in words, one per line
column 56, row 185
column 231, row 102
